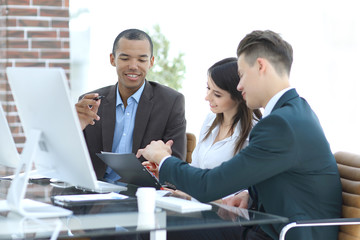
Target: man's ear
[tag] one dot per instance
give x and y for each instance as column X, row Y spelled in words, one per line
column 152, row 59
column 112, row 59
column 261, row 64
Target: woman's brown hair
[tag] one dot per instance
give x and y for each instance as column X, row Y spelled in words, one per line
column 225, row 75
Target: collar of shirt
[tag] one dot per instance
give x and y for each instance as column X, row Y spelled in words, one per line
column 136, row 96
column 269, row 107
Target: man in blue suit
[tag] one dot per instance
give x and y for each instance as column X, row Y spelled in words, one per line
column 288, row 162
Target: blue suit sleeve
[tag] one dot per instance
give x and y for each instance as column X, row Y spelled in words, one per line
column 271, row 150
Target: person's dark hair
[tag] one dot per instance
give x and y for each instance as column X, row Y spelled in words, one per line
column 268, row 45
column 133, row 34
column 225, row 75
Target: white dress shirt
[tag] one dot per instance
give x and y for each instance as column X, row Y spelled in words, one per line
column 208, row 154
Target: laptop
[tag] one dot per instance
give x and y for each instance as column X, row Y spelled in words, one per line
column 130, row 169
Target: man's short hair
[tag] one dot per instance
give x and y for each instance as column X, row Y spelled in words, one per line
column 132, row 34
column 268, row 45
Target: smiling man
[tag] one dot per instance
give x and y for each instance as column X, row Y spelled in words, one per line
column 134, row 111
column 288, row 165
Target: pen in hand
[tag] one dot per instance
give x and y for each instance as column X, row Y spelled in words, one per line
column 98, row 97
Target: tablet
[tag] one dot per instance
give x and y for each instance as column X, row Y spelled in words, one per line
column 130, row 169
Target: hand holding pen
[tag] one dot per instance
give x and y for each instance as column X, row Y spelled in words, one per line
column 87, row 109
column 152, row 167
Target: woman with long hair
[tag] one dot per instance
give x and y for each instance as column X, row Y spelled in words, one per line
column 225, row 131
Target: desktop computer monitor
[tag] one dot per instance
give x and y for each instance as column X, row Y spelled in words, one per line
column 9, row 155
column 54, row 139
column 42, row 98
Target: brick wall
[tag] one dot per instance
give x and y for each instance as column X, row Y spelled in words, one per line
column 33, row 33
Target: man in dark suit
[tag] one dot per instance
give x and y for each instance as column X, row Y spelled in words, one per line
column 288, row 165
column 134, row 111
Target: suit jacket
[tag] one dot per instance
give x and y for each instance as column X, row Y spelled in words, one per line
column 289, row 163
column 160, row 116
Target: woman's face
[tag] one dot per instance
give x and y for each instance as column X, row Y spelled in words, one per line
column 220, row 100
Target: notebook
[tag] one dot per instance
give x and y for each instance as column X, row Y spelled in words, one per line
column 130, row 169
column 82, row 199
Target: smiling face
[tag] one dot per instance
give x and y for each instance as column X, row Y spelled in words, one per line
column 250, row 83
column 220, row 100
column 132, row 61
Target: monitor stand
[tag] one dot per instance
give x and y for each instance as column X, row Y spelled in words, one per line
column 15, row 201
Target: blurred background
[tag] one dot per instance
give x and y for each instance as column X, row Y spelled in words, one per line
column 325, row 36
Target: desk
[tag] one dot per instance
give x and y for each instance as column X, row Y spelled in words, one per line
column 115, row 218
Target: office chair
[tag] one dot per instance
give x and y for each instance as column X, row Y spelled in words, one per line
column 191, row 143
column 349, row 169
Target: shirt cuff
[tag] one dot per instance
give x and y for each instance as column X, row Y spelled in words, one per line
column 163, row 160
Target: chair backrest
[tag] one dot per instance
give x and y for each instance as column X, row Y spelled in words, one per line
column 349, row 169
column 191, row 143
